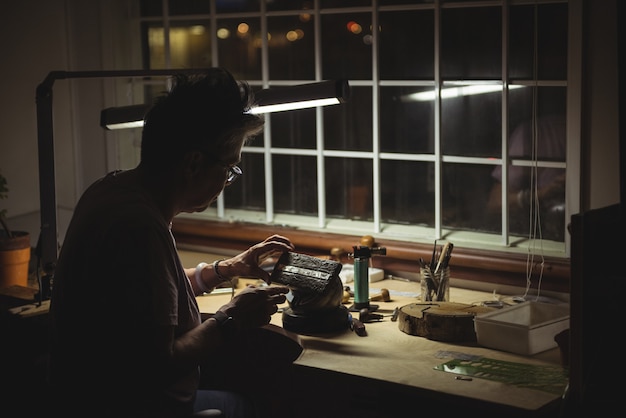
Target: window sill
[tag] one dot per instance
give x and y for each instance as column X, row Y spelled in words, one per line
column 507, row 269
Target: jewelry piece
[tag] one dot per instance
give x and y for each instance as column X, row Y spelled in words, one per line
column 217, row 271
column 224, row 322
column 223, row 278
column 198, row 276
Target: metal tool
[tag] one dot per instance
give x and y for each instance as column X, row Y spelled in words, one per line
column 366, row 316
column 357, row 326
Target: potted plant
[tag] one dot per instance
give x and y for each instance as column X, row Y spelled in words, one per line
column 14, row 248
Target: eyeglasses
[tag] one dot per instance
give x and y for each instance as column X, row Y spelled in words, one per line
column 233, row 171
column 233, row 174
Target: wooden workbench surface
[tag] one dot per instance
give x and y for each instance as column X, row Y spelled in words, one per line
column 388, row 354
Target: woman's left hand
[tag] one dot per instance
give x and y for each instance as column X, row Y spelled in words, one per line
column 249, row 263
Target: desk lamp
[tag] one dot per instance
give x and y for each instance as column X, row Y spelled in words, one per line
column 314, row 94
column 272, row 100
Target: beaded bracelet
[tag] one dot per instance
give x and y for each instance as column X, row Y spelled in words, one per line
column 223, row 278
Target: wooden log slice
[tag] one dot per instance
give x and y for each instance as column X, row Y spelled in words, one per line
column 440, row 321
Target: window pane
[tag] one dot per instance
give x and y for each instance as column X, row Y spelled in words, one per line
column 150, row 8
column 408, row 195
column 237, row 6
column 349, row 126
column 190, row 44
column 545, row 141
column 468, row 1
column 248, row 192
column 293, row 129
column 552, row 48
column 291, row 47
column 239, row 47
column 521, row 42
column 289, row 5
column 552, row 42
column 407, row 119
column 187, row 7
column 547, row 205
column 325, row 4
column 471, row 43
column 550, row 122
column 349, row 188
column 407, row 45
column 538, row 211
column 395, row 2
column 347, row 41
column 465, row 191
column 295, row 184
column 472, row 120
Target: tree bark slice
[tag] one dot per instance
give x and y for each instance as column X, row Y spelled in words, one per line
column 440, row 321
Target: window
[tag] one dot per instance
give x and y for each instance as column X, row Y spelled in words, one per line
column 448, row 132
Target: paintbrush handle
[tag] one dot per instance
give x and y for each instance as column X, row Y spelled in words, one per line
column 444, row 251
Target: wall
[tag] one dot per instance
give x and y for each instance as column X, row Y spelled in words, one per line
column 56, row 35
column 33, row 41
column 600, row 156
column 39, row 36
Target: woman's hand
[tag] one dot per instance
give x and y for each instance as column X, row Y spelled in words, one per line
column 250, row 262
column 254, row 306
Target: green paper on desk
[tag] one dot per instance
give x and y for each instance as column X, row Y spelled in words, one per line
column 550, row 379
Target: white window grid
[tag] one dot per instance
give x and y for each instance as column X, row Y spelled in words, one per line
column 503, row 241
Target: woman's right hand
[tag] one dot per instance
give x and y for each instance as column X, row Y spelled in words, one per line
column 254, row 306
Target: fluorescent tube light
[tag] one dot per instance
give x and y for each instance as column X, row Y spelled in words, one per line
column 281, row 107
column 278, row 99
column 123, row 117
column 450, row 92
column 323, row 93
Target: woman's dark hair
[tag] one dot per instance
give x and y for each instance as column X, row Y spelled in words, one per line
column 205, row 112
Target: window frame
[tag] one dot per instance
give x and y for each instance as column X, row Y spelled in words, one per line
column 476, row 254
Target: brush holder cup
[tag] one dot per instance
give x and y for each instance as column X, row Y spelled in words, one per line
column 435, row 286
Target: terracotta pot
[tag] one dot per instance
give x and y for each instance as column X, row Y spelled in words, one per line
column 14, row 259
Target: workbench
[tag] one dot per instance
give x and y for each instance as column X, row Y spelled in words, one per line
column 386, row 374
column 389, row 373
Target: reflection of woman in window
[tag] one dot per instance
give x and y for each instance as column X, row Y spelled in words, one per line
column 550, row 182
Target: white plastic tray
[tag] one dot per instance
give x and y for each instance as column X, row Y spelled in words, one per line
column 527, row 328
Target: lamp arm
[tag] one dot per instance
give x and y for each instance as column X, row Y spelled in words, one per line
column 48, row 243
column 47, row 247
column 47, row 190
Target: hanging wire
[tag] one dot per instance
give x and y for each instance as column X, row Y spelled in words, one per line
column 534, row 204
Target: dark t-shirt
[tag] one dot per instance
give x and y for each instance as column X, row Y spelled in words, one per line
column 118, row 280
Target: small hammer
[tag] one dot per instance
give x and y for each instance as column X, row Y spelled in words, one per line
column 382, row 296
column 366, row 316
